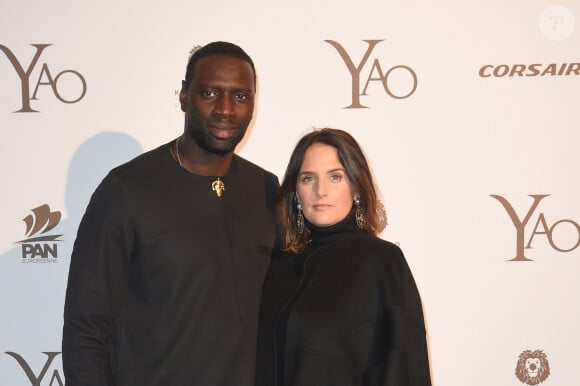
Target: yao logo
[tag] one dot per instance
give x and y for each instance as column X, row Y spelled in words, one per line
column 541, row 228
column 45, row 78
column 35, row 380
column 40, row 249
column 533, row 367
column 399, row 82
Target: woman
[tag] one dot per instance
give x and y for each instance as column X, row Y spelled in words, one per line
column 340, row 306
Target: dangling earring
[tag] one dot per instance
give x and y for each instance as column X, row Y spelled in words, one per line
column 299, row 219
column 382, row 216
column 359, row 213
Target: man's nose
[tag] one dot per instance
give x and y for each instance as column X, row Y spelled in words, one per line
column 224, row 105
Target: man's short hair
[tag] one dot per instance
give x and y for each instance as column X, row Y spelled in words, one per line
column 216, row 48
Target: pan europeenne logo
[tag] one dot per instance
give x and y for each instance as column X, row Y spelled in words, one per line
column 399, row 81
column 541, row 227
column 45, row 78
column 533, row 367
column 38, row 247
column 44, row 373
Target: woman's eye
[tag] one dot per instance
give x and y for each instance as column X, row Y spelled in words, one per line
column 306, row 179
column 335, row 177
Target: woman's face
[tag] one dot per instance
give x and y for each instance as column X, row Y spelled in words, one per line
column 323, row 187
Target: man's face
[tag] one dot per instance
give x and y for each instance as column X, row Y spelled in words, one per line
column 219, row 102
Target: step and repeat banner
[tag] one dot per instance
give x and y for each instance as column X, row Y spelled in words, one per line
column 468, row 112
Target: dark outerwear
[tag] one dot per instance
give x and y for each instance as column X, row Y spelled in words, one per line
column 165, row 278
column 345, row 312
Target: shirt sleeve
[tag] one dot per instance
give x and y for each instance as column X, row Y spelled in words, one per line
column 401, row 349
column 97, row 286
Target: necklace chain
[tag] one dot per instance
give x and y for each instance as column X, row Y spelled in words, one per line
column 217, row 185
column 177, row 151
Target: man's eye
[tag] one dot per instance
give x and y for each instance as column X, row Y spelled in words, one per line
column 241, row 96
column 208, row 93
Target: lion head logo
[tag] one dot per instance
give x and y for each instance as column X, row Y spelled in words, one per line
column 532, row 367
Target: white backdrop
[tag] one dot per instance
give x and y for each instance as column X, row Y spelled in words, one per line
column 471, row 114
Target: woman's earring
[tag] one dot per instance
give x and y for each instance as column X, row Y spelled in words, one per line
column 359, row 213
column 299, row 219
column 382, row 216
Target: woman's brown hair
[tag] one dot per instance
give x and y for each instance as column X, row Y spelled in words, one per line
column 357, row 170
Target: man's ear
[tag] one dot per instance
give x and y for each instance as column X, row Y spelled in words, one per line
column 183, row 96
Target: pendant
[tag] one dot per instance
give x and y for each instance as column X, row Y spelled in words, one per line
column 218, row 187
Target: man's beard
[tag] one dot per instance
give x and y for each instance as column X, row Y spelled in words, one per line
column 213, row 145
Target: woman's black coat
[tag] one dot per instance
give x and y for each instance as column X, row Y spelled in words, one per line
column 345, row 312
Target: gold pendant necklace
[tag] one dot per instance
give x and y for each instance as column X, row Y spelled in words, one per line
column 217, row 185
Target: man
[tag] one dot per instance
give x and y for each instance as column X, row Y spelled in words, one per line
column 167, row 268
